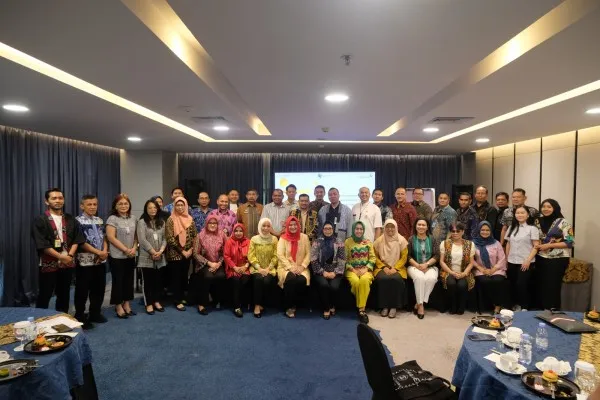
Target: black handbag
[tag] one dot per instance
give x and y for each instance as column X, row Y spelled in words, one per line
column 411, row 382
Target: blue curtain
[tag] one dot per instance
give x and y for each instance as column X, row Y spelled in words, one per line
column 391, row 171
column 221, row 172
column 30, row 164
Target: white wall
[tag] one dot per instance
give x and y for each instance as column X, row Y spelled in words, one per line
column 563, row 167
column 141, row 177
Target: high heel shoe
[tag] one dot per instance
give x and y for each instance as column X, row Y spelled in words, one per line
column 420, row 316
column 257, row 315
column 121, row 316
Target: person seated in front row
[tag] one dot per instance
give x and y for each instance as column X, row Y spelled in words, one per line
column 456, row 260
column 327, row 261
column 390, row 269
column 262, row 256
column 209, row 272
column 360, row 262
column 490, row 267
column 293, row 252
column 237, row 267
column 423, row 255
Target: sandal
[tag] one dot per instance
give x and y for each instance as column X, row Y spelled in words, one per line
column 290, row 313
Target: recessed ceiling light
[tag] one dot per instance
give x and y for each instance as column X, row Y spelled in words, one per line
column 15, row 108
column 221, row 128
column 134, row 139
column 593, row 111
column 431, row 130
column 336, row 97
column 482, row 140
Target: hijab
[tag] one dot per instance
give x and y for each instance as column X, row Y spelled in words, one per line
column 389, row 248
column 546, row 222
column 181, row 221
column 327, row 246
column 482, row 243
column 240, row 246
column 260, row 238
column 354, row 237
column 293, row 238
column 211, row 242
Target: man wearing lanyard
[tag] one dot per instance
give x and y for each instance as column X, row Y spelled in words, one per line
column 57, row 236
column 90, row 273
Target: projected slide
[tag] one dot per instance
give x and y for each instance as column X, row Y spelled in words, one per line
column 348, row 183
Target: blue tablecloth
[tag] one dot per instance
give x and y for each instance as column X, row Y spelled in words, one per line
column 478, row 378
column 60, row 371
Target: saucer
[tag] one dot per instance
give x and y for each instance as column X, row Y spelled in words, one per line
column 517, row 371
column 540, row 364
column 509, row 344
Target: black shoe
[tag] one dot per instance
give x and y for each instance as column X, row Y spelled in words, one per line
column 150, row 312
column 259, row 315
column 420, row 316
column 182, row 308
column 238, row 312
column 204, row 311
column 123, row 316
column 326, row 317
column 131, row 313
column 87, row 325
column 159, row 309
column 99, row 318
column 363, row 317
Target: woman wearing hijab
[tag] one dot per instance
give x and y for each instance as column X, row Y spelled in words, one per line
column 391, row 251
column 360, row 262
column 423, row 255
column 262, row 256
column 180, row 233
column 490, row 267
column 327, row 261
column 456, row 260
column 209, row 272
column 554, row 251
column 293, row 252
column 237, row 267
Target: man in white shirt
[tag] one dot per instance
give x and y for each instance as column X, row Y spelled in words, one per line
column 369, row 214
column 234, row 199
column 277, row 212
column 291, row 201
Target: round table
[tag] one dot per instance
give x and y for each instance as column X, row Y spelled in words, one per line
column 478, row 378
column 59, row 373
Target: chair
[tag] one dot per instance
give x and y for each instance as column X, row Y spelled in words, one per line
column 377, row 367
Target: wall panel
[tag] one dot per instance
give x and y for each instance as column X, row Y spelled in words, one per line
column 527, row 176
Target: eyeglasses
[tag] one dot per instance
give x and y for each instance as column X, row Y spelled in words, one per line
column 122, row 204
column 455, row 231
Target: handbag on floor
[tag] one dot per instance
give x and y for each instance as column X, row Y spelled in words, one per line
column 411, row 382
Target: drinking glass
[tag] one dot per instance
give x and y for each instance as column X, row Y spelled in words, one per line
column 21, row 330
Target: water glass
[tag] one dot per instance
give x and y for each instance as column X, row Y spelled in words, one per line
column 21, row 330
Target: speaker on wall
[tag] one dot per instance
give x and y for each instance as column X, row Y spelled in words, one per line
column 193, row 187
column 457, row 190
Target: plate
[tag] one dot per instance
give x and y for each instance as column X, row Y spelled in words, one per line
column 591, row 318
column 539, row 364
column 51, row 339
column 517, row 371
column 565, row 389
column 483, row 321
column 17, row 368
column 512, row 345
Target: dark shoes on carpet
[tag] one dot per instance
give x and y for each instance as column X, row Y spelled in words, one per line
column 180, row 307
column 204, row 311
column 363, row 317
column 131, row 313
column 99, row 318
column 238, row 312
column 159, row 309
column 87, row 325
column 257, row 315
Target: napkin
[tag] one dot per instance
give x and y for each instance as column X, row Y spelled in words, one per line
column 491, row 332
column 49, row 323
column 493, row 357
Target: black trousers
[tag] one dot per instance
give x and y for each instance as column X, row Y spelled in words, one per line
column 493, row 289
column 90, row 282
column 206, row 282
column 520, row 282
column 178, row 276
column 548, row 276
column 292, row 287
column 260, row 286
column 152, row 285
column 58, row 282
column 458, row 291
column 238, row 285
column 391, row 291
column 328, row 290
column 121, row 270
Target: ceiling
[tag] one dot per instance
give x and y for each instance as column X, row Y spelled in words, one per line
column 275, row 60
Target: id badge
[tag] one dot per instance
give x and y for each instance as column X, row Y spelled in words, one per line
column 127, row 231
column 57, row 243
column 155, row 236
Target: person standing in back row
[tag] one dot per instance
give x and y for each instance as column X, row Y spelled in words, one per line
column 369, row 214
column 175, row 193
column 233, row 196
column 424, row 210
column 277, row 212
column 338, row 214
column 404, row 213
column 316, row 204
column 90, row 273
column 57, row 236
column 518, row 200
column 443, row 217
column 483, row 209
column 249, row 213
column 466, row 215
column 225, row 216
column 386, row 212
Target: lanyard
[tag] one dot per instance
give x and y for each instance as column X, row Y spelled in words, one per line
column 55, row 229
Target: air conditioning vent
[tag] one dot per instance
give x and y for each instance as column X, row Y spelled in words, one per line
column 449, row 120
column 208, row 120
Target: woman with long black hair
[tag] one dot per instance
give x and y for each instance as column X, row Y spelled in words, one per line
column 554, row 253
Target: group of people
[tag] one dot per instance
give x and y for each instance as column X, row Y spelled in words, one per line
column 507, row 253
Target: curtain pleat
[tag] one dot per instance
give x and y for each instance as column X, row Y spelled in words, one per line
column 30, row 164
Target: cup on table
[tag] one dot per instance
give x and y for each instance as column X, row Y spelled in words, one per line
column 509, row 361
column 4, row 356
column 551, row 363
column 506, row 316
column 585, row 376
column 513, row 334
column 21, row 330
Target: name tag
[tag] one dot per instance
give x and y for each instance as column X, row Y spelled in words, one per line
column 155, row 236
column 127, row 231
column 57, row 243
